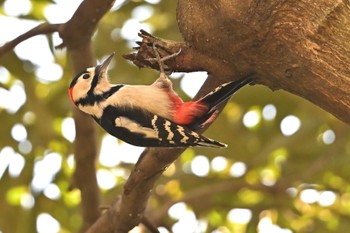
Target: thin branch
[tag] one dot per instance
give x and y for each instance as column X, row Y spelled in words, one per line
column 44, row 28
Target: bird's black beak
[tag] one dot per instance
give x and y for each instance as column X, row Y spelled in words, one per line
column 101, row 69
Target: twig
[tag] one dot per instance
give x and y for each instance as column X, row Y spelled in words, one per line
column 160, row 60
column 44, row 28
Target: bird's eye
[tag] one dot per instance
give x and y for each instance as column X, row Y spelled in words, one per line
column 86, row 76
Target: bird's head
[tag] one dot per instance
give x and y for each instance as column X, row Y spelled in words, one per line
column 90, row 82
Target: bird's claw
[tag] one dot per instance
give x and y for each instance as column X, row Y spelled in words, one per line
column 160, row 60
column 200, row 125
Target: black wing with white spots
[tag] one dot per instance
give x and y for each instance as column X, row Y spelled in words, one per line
column 141, row 128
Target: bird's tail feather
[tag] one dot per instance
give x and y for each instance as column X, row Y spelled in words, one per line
column 224, row 92
column 208, row 142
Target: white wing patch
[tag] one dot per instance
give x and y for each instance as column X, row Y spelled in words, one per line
column 118, row 122
column 134, row 127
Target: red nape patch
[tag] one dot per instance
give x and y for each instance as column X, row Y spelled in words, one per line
column 70, row 92
column 187, row 112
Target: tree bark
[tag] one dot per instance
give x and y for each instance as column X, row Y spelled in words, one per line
column 299, row 46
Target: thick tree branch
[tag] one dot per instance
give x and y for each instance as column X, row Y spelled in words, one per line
column 298, row 46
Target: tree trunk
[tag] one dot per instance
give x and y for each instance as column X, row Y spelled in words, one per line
column 299, row 46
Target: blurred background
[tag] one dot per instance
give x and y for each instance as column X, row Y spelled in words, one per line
column 286, row 168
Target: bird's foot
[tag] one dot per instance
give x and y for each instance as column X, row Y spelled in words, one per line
column 165, row 48
column 160, row 60
column 200, row 124
column 210, row 120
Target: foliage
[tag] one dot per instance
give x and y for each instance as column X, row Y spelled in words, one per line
column 264, row 181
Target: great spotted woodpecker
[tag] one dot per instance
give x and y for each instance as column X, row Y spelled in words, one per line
column 148, row 115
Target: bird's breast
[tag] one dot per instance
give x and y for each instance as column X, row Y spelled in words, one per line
column 150, row 98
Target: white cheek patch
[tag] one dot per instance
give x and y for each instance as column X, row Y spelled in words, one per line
column 80, row 90
column 82, row 86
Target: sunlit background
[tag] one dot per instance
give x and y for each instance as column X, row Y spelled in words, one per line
column 286, row 169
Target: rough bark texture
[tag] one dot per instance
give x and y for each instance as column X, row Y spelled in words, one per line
column 298, row 46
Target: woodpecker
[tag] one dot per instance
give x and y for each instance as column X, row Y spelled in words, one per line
column 148, row 115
